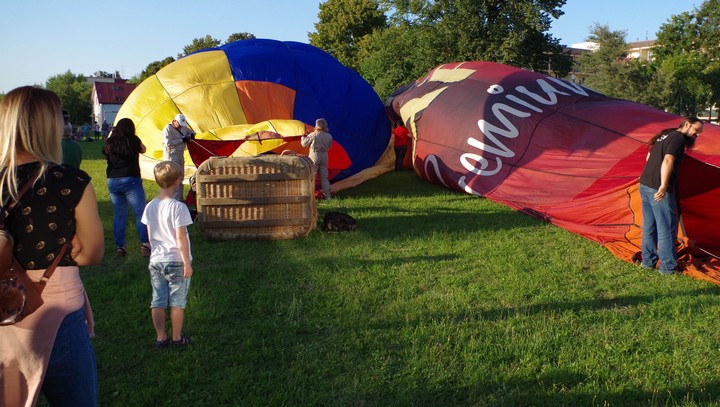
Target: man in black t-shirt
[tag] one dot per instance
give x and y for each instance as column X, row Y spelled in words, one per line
column 658, row 191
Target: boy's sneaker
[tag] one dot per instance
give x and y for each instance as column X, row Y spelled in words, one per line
column 162, row 344
column 184, row 340
column 120, row 252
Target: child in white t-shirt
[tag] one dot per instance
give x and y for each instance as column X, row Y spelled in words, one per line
column 170, row 259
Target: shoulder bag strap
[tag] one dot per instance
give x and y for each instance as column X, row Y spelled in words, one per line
column 40, row 285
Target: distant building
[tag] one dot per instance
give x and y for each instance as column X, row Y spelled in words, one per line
column 107, row 97
column 641, row 50
column 587, row 46
column 576, row 51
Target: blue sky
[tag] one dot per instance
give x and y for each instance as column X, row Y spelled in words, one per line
column 43, row 38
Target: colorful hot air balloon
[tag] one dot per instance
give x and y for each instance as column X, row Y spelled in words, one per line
column 559, row 152
column 268, row 92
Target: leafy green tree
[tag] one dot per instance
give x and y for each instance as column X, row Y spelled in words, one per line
column 152, row 69
column 611, row 72
column 640, row 82
column 674, row 36
column 606, row 64
column 239, row 36
column 687, row 89
column 343, row 24
column 688, row 54
column 426, row 33
column 397, row 55
column 513, row 32
column 198, row 44
column 74, row 92
column 708, row 27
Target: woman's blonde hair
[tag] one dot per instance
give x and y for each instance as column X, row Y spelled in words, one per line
column 31, row 122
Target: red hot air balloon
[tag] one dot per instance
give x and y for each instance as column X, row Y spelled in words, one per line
column 557, row 151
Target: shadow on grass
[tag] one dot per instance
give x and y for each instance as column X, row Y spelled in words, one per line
column 597, row 304
column 557, row 388
column 446, row 220
column 385, row 184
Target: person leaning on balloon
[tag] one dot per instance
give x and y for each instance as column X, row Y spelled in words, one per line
column 49, row 350
column 319, row 142
column 175, row 135
column 658, row 192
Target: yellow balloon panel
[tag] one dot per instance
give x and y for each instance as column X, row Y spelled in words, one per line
column 143, row 100
column 203, row 68
column 286, row 128
column 252, row 148
column 202, row 87
column 149, row 107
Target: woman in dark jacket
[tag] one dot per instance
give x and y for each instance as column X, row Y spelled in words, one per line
column 122, row 151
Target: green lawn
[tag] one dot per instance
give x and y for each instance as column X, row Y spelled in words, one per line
column 438, row 299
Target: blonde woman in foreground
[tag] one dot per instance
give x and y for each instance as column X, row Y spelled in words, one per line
column 49, row 351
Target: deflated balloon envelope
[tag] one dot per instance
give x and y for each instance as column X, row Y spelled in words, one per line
column 557, row 151
column 225, row 91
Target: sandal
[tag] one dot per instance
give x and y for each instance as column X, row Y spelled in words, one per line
column 162, row 344
column 184, row 340
column 120, row 252
column 145, row 250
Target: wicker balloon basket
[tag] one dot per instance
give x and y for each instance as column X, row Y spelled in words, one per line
column 261, row 197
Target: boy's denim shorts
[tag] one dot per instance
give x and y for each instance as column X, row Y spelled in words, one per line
column 169, row 286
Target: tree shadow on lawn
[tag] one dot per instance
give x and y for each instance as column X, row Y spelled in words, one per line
column 396, row 184
column 592, row 304
column 596, row 304
column 557, row 387
column 416, row 222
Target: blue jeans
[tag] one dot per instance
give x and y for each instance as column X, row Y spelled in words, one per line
column 71, row 378
column 124, row 191
column 659, row 230
column 169, row 286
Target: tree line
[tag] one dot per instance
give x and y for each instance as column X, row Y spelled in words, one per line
column 393, row 42
column 683, row 75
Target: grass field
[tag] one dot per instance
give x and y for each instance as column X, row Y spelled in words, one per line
column 438, row 299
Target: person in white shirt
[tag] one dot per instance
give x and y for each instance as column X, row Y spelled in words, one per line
column 170, row 255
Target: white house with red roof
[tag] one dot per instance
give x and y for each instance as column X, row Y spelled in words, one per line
column 107, row 97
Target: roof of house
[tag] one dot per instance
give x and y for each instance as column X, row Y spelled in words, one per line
column 641, row 44
column 113, row 93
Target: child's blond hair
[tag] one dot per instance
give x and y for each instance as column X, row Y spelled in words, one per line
column 167, row 173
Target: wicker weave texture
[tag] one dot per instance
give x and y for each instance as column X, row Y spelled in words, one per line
column 261, row 197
